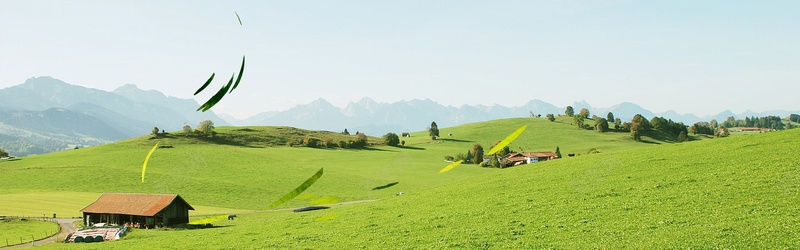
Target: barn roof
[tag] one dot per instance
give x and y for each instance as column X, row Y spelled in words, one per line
column 133, row 204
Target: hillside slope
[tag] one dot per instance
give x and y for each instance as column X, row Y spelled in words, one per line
column 738, row 192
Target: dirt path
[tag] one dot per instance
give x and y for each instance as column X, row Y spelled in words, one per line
column 288, row 209
column 67, row 227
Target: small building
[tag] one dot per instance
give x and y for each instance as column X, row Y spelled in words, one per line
column 530, row 157
column 147, row 210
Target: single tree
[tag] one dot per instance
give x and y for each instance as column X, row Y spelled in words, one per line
column 345, row 132
column 433, row 130
column 391, row 139
column 602, row 125
column 558, row 152
column 610, row 117
column 693, row 129
column 3, row 153
column 478, row 155
column 578, row 120
column 569, row 111
column 584, row 112
column 403, row 143
column 154, row 131
column 187, row 130
column 361, row 140
column 206, row 128
column 683, row 137
column 713, row 124
column 551, row 118
column 617, row 123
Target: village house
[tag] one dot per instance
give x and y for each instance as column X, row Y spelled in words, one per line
column 138, row 210
column 526, row 157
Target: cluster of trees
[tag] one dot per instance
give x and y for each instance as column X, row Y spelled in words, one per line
column 313, row 142
column 794, row 118
column 771, row 122
column 205, row 128
column 3, row 153
column 476, row 154
column 668, row 126
column 703, row 128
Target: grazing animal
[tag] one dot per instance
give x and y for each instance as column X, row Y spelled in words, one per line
column 231, row 217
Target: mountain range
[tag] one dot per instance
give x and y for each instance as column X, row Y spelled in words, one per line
column 46, row 115
column 376, row 119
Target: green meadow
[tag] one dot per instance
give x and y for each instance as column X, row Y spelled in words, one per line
column 16, row 231
column 722, row 193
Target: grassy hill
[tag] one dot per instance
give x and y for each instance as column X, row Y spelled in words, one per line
column 239, row 170
column 737, row 192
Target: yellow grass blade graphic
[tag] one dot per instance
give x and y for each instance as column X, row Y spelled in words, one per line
column 144, row 167
column 298, row 190
column 327, row 218
column 326, row 200
column 506, row 141
column 209, row 220
column 451, row 166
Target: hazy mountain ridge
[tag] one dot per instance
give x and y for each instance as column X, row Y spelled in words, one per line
column 88, row 116
column 378, row 118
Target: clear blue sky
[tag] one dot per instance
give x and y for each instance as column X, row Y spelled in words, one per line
column 690, row 56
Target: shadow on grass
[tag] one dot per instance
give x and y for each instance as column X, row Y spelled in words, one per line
column 453, row 140
column 410, row 147
column 15, row 159
column 206, row 226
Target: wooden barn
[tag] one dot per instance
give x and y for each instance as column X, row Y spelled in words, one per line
column 138, row 210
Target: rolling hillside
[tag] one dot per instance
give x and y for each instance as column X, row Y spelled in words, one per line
column 737, row 192
column 210, row 172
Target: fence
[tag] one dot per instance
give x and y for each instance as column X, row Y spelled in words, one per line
column 20, row 240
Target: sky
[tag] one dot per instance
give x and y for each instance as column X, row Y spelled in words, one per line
column 700, row 57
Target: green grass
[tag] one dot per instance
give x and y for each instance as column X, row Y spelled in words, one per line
column 239, row 173
column 737, row 192
column 16, row 231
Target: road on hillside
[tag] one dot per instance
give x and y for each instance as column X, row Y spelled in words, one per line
column 67, row 227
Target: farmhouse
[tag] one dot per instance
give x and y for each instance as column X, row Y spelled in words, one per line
column 147, row 210
column 530, row 157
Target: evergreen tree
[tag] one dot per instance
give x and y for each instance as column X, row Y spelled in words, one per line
column 346, row 132
column 434, row 130
column 569, row 111
column 558, row 152
column 478, row 157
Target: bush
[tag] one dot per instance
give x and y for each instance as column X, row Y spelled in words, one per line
column 391, row 139
column 311, row 142
column 448, row 157
column 342, row 144
column 329, row 143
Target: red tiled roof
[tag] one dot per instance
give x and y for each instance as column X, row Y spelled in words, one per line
column 516, row 159
column 133, row 204
column 539, row 154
